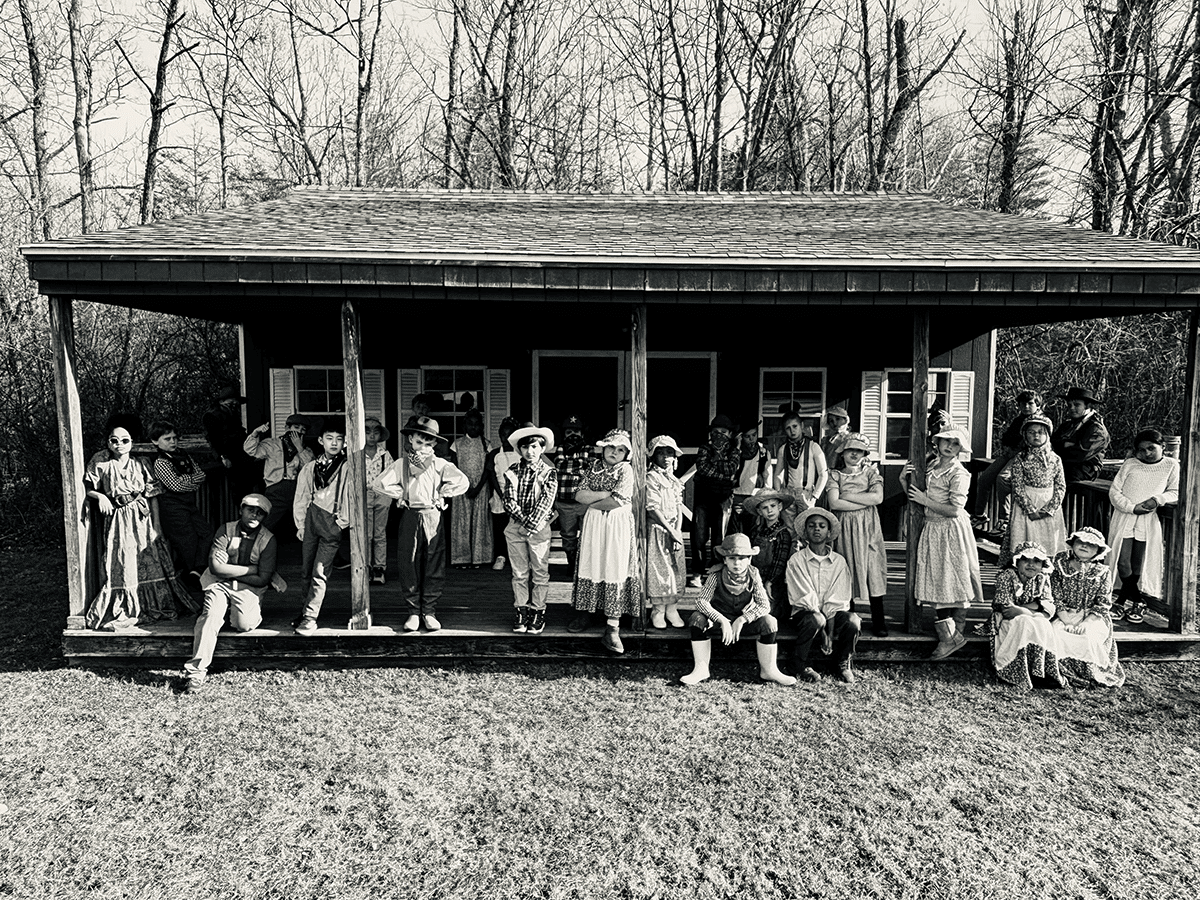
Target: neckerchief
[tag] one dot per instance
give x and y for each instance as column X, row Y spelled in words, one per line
column 326, row 470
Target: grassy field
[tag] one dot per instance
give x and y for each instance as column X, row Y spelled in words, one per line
column 583, row 780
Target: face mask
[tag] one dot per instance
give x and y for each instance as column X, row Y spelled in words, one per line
column 421, row 455
column 572, row 442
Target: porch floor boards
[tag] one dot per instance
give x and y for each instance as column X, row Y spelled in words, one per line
column 476, row 616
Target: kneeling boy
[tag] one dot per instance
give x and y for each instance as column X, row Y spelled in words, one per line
column 733, row 602
column 818, row 583
column 241, row 565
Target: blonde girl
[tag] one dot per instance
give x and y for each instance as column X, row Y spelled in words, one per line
column 854, row 493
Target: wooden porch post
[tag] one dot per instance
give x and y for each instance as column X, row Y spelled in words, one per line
column 1184, row 553
column 360, row 598
column 917, row 446
column 70, row 446
column 637, row 432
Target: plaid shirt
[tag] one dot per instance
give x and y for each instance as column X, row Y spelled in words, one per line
column 775, row 546
column 571, row 469
column 529, row 492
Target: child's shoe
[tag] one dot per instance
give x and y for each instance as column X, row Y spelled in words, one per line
column 612, row 640
column 412, row 623
column 537, row 621
column 768, row 670
column 519, row 620
column 1136, row 614
column 694, row 581
column 306, row 625
column 701, row 656
column 658, row 618
column 673, row 617
column 377, row 576
column 432, row 624
column 498, row 565
column 1118, row 611
column 845, row 672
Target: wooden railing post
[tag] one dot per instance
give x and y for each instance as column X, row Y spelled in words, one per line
column 637, row 433
column 917, row 447
column 1184, row 550
column 70, row 447
column 360, row 599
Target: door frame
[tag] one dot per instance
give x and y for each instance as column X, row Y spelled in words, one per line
column 623, row 378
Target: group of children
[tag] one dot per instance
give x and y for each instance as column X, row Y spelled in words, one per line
column 804, row 539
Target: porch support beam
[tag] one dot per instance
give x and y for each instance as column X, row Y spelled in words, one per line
column 1184, row 552
column 637, row 432
column 356, row 434
column 70, row 444
column 917, row 446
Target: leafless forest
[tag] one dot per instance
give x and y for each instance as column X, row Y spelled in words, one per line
column 114, row 112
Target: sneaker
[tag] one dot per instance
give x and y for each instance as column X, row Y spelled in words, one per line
column 809, row 674
column 306, row 625
column 580, row 623
column 519, row 623
column 845, row 673
column 193, row 685
column 612, row 640
column 1117, row 613
column 498, row 565
column 537, row 621
column 432, row 624
column 979, row 523
column 412, row 623
column 377, row 576
column 1136, row 614
column 694, row 581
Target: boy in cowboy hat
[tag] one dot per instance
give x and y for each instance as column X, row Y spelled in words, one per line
column 283, row 458
column 754, row 475
column 530, row 487
column 1080, row 441
column 818, row 581
column 241, row 566
column 421, row 482
column 732, row 602
column 773, row 538
column 320, row 512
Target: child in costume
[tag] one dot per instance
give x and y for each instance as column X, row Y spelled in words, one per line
column 530, row 488
column 376, row 458
column 772, row 536
column 283, row 458
column 320, row 510
column 1024, row 645
column 499, row 460
column 818, row 581
column 470, row 524
column 666, row 566
column 182, row 523
column 800, row 468
column 854, row 493
column 1082, row 585
column 1038, row 487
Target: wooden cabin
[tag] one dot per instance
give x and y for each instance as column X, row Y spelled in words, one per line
column 649, row 312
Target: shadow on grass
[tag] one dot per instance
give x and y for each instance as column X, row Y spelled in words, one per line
column 33, row 608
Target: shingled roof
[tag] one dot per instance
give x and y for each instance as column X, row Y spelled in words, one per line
column 726, row 230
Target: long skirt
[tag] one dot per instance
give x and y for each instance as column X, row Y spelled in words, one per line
column 139, row 578
column 1024, row 648
column 1092, row 655
column 1050, row 532
column 471, row 530
column 605, row 574
column 666, row 568
column 948, row 563
column 861, row 542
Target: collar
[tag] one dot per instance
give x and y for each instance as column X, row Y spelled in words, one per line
column 828, row 557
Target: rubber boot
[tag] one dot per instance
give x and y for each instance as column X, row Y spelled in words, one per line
column 878, row 619
column 701, row 655
column 673, row 617
column 658, row 617
column 767, row 668
column 949, row 640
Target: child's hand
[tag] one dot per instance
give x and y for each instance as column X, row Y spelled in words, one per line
column 106, row 505
column 916, row 495
column 1012, row 612
column 826, row 643
column 264, row 428
column 727, row 637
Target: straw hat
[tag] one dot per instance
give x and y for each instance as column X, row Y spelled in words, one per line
column 531, row 430
column 384, row 434
column 955, row 432
column 835, row 527
column 751, row 503
column 735, row 545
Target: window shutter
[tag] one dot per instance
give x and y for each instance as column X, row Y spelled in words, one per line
column 408, row 385
column 497, row 404
column 283, row 399
column 873, row 423
column 962, row 393
column 372, row 387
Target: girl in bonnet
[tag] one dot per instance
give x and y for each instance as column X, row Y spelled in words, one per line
column 666, row 566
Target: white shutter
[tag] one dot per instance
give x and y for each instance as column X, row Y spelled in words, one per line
column 372, row 393
column 283, row 399
column 874, row 423
column 497, row 404
column 408, row 385
column 962, row 395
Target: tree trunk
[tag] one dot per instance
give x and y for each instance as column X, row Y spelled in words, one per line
column 158, row 108
column 81, row 121
column 452, row 93
column 37, row 107
column 714, row 156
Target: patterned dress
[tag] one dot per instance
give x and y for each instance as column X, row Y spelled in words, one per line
column 666, row 571
column 947, row 556
column 470, row 526
column 861, row 540
column 1083, row 627
column 606, row 573
column 1037, row 484
column 1024, row 647
column 138, row 583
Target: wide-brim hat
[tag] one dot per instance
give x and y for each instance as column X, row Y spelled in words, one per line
column 531, row 430
column 751, row 503
column 1036, row 419
column 384, row 434
column 423, row 425
column 838, row 411
column 1090, row 535
column 835, row 527
column 230, row 392
column 618, row 437
column 663, row 440
column 855, row 440
column 1082, row 393
column 1033, row 550
column 955, row 432
column 256, row 500
column 735, row 545
column 575, row 422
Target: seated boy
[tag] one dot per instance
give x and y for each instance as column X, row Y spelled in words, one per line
column 241, row 565
column 530, row 488
column 421, row 482
column 320, row 512
column 283, row 458
column 818, row 583
column 733, row 602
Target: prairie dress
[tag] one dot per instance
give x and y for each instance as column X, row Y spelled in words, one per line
column 1087, row 647
column 666, row 568
column 948, row 562
column 1050, row 532
column 606, row 573
column 861, row 542
column 1024, row 648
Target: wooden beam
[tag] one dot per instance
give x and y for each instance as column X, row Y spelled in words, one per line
column 70, row 444
column 1184, row 553
column 917, row 448
column 637, row 432
column 356, row 438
